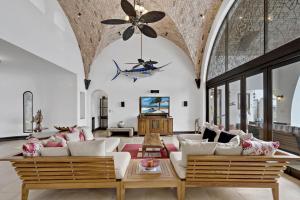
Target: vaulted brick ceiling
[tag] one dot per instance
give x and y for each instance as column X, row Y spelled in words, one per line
column 187, row 24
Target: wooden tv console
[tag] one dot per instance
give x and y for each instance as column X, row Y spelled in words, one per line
column 155, row 124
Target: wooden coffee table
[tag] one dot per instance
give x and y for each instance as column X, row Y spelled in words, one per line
column 152, row 140
column 166, row 179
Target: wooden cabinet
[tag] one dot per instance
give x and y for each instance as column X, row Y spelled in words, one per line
column 155, row 124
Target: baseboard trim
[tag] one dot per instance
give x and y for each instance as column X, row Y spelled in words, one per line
column 5, row 139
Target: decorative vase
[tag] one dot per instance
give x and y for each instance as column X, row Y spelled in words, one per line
column 121, row 124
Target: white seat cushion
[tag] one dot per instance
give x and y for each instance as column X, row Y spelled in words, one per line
column 196, row 148
column 55, row 151
column 121, row 160
column 175, row 158
column 87, row 148
column 111, row 143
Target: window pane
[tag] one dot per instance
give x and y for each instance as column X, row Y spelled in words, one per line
column 283, row 22
column 211, row 105
column 217, row 59
column 255, row 105
column 245, row 32
column 234, row 105
column 221, row 106
column 286, row 107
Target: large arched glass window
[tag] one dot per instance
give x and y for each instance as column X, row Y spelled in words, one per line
column 254, row 71
column 253, row 28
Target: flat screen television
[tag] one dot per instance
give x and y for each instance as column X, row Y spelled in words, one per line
column 155, row 105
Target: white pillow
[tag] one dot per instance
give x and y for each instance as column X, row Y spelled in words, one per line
column 232, row 148
column 55, row 151
column 196, row 148
column 73, row 137
column 88, row 135
column 242, row 134
column 195, row 141
column 87, row 148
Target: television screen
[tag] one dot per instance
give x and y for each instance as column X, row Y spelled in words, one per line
column 155, row 105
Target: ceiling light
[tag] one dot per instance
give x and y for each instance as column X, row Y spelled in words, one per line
column 126, row 18
column 240, row 17
column 270, row 18
column 145, row 11
column 79, row 14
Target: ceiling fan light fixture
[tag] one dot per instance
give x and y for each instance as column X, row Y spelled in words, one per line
column 127, row 18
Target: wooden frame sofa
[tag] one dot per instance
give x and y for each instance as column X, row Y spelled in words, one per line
column 66, row 173
column 232, row 171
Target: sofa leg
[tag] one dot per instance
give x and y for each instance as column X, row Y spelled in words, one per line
column 25, row 192
column 182, row 190
column 118, row 188
column 275, row 192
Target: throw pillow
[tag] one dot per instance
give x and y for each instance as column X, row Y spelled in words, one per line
column 87, row 148
column 209, row 134
column 88, row 135
column 55, row 141
column 32, row 148
column 257, row 148
column 196, row 148
column 58, row 151
column 242, row 134
column 225, row 137
column 73, row 137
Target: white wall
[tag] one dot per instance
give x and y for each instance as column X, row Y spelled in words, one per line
column 42, row 28
column 176, row 81
column 54, row 90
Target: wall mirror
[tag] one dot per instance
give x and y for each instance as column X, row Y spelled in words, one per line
column 27, row 112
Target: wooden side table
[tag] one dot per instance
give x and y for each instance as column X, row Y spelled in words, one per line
column 166, row 179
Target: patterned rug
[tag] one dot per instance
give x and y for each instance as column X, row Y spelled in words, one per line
column 135, row 151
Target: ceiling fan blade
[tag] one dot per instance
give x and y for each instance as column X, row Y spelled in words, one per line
column 114, row 21
column 128, row 33
column 147, row 30
column 128, row 8
column 151, row 62
column 152, row 16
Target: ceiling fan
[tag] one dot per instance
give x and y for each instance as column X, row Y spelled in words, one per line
column 138, row 17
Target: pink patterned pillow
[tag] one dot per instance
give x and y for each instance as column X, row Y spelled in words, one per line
column 32, row 148
column 62, row 134
column 81, row 136
column 79, row 132
column 55, row 142
column 257, row 148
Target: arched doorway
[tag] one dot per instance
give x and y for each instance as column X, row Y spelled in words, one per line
column 99, row 110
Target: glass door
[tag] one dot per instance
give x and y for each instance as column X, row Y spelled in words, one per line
column 255, row 105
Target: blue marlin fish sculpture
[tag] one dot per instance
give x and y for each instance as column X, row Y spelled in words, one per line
column 141, row 71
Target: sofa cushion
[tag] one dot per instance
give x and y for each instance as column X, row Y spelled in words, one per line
column 256, row 148
column 196, row 148
column 225, row 137
column 121, row 161
column 111, row 143
column 175, row 158
column 55, row 151
column 242, row 134
column 87, row 148
column 88, row 135
column 209, row 134
column 232, row 148
column 183, row 137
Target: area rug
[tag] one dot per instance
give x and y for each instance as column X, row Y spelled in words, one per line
column 135, row 151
